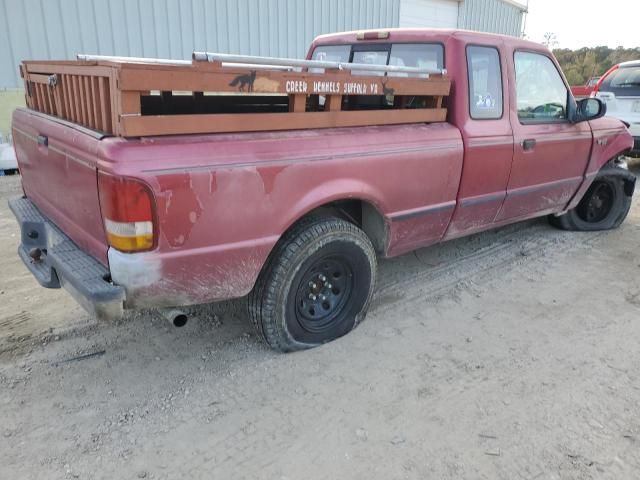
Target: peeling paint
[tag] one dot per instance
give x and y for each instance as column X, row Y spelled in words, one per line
column 134, row 271
column 269, row 176
column 179, row 196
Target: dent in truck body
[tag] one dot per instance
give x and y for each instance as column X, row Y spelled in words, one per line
column 610, row 140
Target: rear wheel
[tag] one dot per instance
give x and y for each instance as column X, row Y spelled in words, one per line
column 604, row 206
column 316, row 286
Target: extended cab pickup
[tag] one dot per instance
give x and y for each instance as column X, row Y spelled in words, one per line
column 294, row 214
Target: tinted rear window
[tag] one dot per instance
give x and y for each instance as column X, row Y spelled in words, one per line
column 623, row 82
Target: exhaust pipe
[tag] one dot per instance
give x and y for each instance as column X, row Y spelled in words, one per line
column 176, row 317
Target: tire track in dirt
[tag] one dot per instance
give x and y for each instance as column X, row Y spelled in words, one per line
column 243, row 446
column 510, row 247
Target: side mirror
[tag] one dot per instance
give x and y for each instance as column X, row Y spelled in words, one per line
column 589, row 109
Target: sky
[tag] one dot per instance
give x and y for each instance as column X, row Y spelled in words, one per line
column 585, row 23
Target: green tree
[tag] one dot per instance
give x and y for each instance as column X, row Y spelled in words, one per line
column 582, row 64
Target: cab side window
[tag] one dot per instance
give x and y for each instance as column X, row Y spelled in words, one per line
column 541, row 94
column 485, row 82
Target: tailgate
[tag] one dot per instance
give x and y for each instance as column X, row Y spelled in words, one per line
column 58, row 164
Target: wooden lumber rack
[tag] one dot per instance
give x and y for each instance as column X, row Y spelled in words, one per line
column 212, row 93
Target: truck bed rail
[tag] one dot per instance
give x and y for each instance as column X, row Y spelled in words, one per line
column 133, row 96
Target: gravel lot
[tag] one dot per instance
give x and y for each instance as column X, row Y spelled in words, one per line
column 512, row 354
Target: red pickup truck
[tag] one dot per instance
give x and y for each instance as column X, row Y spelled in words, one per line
column 295, row 218
column 582, row 91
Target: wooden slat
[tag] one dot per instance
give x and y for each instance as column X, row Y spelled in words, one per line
column 73, row 69
column 130, row 102
column 41, row 99
column 114, row 99
column 44, row 90
column 89, row 100
column 76, row 98
column 192, row 79
column 56, row 92
column 137, row 125
column 51, row 100
column 77, row 110
column 58, row 95
column 82, row 101
column 95, row 94
column 66, row 88
column 39, row 78
column 38, row 96
column 35, row 98
column 333, row 103
column 68, row 85
column 28, row 95
column 297, row 103
column 105, row 104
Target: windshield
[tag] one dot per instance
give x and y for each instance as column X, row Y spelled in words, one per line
column 592, row 81
column 623, row 82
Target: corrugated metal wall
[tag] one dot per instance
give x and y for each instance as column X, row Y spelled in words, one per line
column 59, row 29
column 495, row 16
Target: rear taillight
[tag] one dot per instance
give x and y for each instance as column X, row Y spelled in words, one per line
column 128, row 211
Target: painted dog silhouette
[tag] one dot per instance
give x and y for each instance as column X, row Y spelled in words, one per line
column 387, row 92
column 243, row 81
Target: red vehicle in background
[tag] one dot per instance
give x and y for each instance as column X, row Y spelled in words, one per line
column 296, row 218
column 583, row 91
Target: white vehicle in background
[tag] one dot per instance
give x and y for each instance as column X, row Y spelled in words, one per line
column 619, row 88
column 8, row 162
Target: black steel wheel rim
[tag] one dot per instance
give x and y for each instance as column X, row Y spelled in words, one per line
column 597, row 204
column 323, row 293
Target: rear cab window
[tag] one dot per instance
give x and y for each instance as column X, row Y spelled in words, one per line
column 541, row 95
column 485, row 83
column 420, row 55
column 332, row 53
column 623, row 82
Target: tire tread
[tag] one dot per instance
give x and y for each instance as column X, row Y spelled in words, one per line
column 262, row 299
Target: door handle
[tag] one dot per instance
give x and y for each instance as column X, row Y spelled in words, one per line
column 528, row 144
column 43, row 140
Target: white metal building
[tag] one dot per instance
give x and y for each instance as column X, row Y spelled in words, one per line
column 59, row 29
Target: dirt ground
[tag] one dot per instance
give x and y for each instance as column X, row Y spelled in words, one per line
column 512, row 354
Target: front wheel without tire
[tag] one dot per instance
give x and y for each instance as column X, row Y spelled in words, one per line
column 604, row 206
column 316, row 286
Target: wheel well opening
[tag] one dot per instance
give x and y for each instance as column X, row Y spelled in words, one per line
column 362, row 214
column 618, row 168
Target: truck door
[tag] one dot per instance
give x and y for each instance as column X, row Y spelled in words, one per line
column 550, row 153
column 483, row 119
